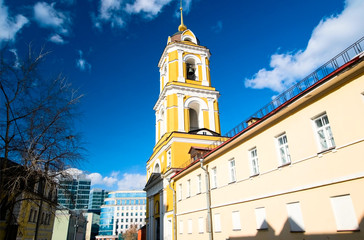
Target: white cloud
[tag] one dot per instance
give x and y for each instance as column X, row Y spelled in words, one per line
column 217, row 28
column 127, row 181
column 132, row 182
column 9, row 26
column 48, row 17
column 81, row 63
column 150, row 7
column 115, row 12
column 330, row 36
column 56, row 38
column 110, row 11
column 16, row 61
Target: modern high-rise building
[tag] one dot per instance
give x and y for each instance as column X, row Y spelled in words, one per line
column 74, row 193
column 97, row 197
column 121, row 211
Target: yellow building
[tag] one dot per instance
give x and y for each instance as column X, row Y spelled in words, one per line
column 187, row 115
column 294, row 171
column 27, row 212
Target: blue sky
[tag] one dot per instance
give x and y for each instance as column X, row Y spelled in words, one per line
column 109, row 50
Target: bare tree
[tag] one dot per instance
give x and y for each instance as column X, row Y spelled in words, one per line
column 131, row 233
column 37, row 131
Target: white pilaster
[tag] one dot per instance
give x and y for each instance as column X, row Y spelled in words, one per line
column 166, row 77
column 180, row 66
column 204, row 74
column 156, row 127
column 211, row 113
column 160, row 80
column 181, row 113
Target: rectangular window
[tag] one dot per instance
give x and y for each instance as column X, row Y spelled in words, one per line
column 236, row 220
column 188, row 188
column 232, row 170
column 201, row 225
column 189, row 226
column 254, row 161
column 284, row 156
column 295, row 218
column 199, row 184
column 323, row 132
column 181, row 227
column 169, row 158
column 261, row 219
column 214, row 177
column 217, row 222
column 180, row 192
column 344, row 213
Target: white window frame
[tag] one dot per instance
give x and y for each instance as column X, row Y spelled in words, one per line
column 232, row 171
column 295, row 217
column 180, row 227
column 235, row 215
column 214, row 177
column 199, row 183
column 254, row 163
column 283, row 150
column 324, row 136
column 188, row 188
column 261, row 218
column 201, row 225
column 217, row 222
column 189, row 226
column 344, row 213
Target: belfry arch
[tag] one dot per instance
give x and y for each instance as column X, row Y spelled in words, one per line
column 195, row 107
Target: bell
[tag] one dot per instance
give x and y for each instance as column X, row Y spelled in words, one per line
column 191, row 70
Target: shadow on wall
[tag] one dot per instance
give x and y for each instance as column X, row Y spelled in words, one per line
column 286, row 233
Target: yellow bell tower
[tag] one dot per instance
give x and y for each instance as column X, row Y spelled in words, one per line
column 187, row 122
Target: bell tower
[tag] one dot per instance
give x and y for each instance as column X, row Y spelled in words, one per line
column 187, row 122
column 187, row 101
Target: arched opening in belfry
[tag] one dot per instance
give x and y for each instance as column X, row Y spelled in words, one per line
column 191, row 69
column 157, row 168
column 194, row 113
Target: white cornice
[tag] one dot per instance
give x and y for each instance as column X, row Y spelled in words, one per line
column 191, row 91
column 186, row 47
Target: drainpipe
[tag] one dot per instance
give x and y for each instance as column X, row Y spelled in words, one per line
column 174, row 210
column 208, row 200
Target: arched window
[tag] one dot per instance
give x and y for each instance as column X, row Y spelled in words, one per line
column 191, row 69
column 157, row 168
column 162, row 123
column 194, row 112
column 193, row 119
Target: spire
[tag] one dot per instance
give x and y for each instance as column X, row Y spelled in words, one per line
column 181, row 27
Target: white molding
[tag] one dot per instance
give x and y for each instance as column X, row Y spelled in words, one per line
column 190, row 91
column 201, row 102
column 181, row 140
column 184, row 47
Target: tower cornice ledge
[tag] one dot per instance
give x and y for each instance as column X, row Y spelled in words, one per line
column 186, row 90
column 179, row 45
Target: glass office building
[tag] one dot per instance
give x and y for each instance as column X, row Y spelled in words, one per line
column 97, row 197
column 74, row 194
column 121, row 210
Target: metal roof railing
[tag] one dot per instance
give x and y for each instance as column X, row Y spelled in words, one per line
column 325, row 70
